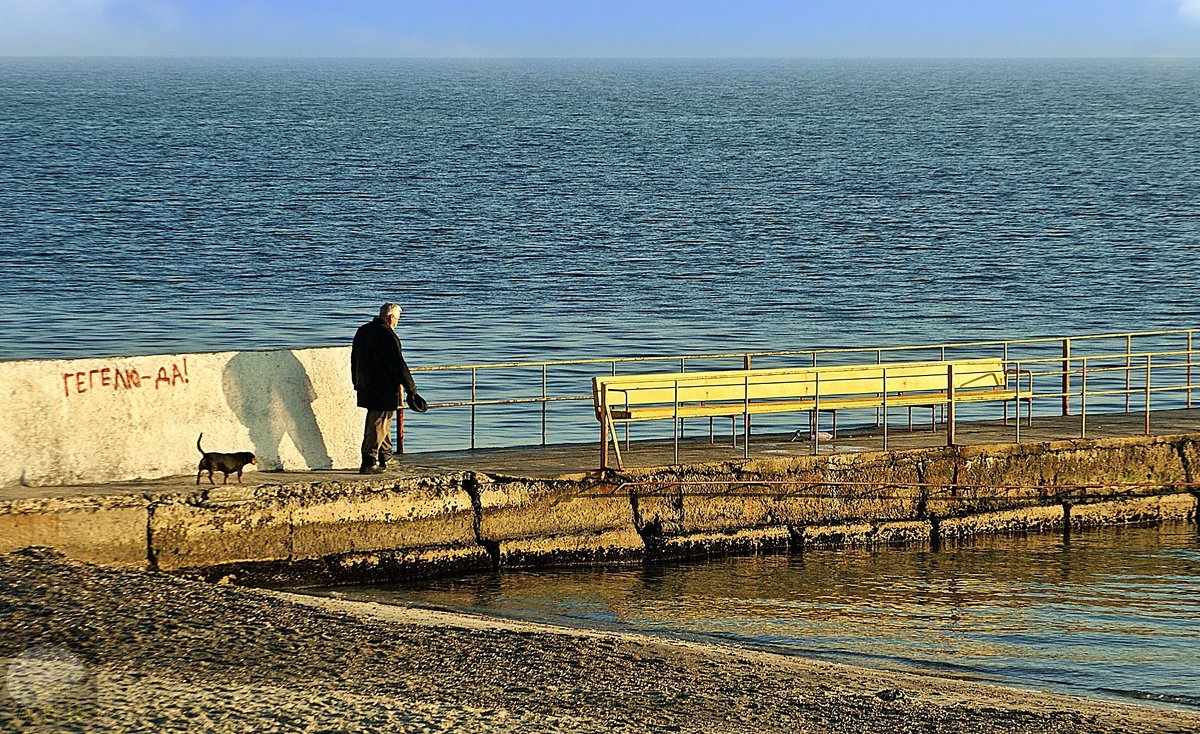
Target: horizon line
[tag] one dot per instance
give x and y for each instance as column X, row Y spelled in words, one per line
column 1065, row 57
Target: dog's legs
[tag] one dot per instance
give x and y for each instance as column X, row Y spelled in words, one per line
column 198, row 473
column 210, row 478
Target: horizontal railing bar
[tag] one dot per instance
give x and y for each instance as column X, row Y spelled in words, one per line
column 505, row 401
column 807, row 352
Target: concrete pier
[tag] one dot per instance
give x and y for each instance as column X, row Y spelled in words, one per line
column 463, row 511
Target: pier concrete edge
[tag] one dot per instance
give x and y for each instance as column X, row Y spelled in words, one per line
column 382, row 528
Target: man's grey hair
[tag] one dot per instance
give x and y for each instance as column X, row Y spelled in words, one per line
column 388, row 309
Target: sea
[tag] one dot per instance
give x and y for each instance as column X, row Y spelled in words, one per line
column 552, row 209
column 526, row 209
column 1110, row 614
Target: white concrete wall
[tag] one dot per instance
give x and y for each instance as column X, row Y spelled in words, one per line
column 99, row 420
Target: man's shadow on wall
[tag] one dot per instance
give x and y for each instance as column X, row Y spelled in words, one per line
column 272, row 395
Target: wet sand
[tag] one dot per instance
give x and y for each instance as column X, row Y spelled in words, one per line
column 87, row 649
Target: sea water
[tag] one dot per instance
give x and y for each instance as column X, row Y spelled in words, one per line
column 549, row 209
column 1109, row 613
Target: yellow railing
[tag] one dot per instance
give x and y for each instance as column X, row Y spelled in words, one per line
column 1132, row 365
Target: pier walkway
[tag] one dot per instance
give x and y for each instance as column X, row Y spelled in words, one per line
column 579, row 459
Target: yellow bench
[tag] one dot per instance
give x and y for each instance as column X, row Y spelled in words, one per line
column 633, row 398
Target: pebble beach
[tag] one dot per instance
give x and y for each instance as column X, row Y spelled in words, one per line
column 89, row 649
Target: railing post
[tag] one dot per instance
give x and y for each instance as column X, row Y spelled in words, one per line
column 604, row 427
column 675, row 424
column 746, row 415
column 682, row 369
column 544, row 396
column 816, row 421
column 879, row 360
column 950, row 405
column 885, row 409
column 1147, row 426
column 473, row 408
column 1189, row 368
column 1128, row 373
column 1017, row 403
column 1082, row 398
column 400, row 425
column 1066, row 377
column 933, row 409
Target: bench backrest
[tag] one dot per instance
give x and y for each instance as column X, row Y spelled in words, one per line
column 627, row 391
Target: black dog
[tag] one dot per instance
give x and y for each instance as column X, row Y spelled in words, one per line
column 225, row 463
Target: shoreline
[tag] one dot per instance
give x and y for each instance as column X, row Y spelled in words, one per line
column 94, row 649
column 467, row 620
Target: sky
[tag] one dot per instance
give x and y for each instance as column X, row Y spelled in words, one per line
column 602, row 28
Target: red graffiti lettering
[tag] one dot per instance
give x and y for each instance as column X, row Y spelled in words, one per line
column 117, row 378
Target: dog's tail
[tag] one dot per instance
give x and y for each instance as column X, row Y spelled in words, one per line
column 198, row 444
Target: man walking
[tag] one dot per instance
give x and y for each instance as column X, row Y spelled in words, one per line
column 378, row 369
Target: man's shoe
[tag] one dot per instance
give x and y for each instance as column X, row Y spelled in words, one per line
column 367, row 469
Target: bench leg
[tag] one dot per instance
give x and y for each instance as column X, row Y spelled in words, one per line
column 617, row 442
column 603, row 445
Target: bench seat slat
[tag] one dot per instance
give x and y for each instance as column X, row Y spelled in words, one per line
column 629, row 392
column 705, row 410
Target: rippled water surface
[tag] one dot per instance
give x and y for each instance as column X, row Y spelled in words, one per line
column 548, row 209
column 1112, row 613
column 559, row 209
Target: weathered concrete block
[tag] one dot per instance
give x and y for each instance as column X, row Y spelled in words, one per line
column 537, row 522
column 392, row 564
column 1134, row 511
column 622, row 545
column 1025, row 520
column 706, row 544
column 196, row 530
column 108, row 530
column 1134, row 459
column 430, row 513
column 833, row 535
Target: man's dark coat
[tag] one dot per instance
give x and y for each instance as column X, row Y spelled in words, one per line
column 378, row 368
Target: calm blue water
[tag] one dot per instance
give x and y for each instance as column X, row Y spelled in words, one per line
column 1109, row 613
column 525, row 209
